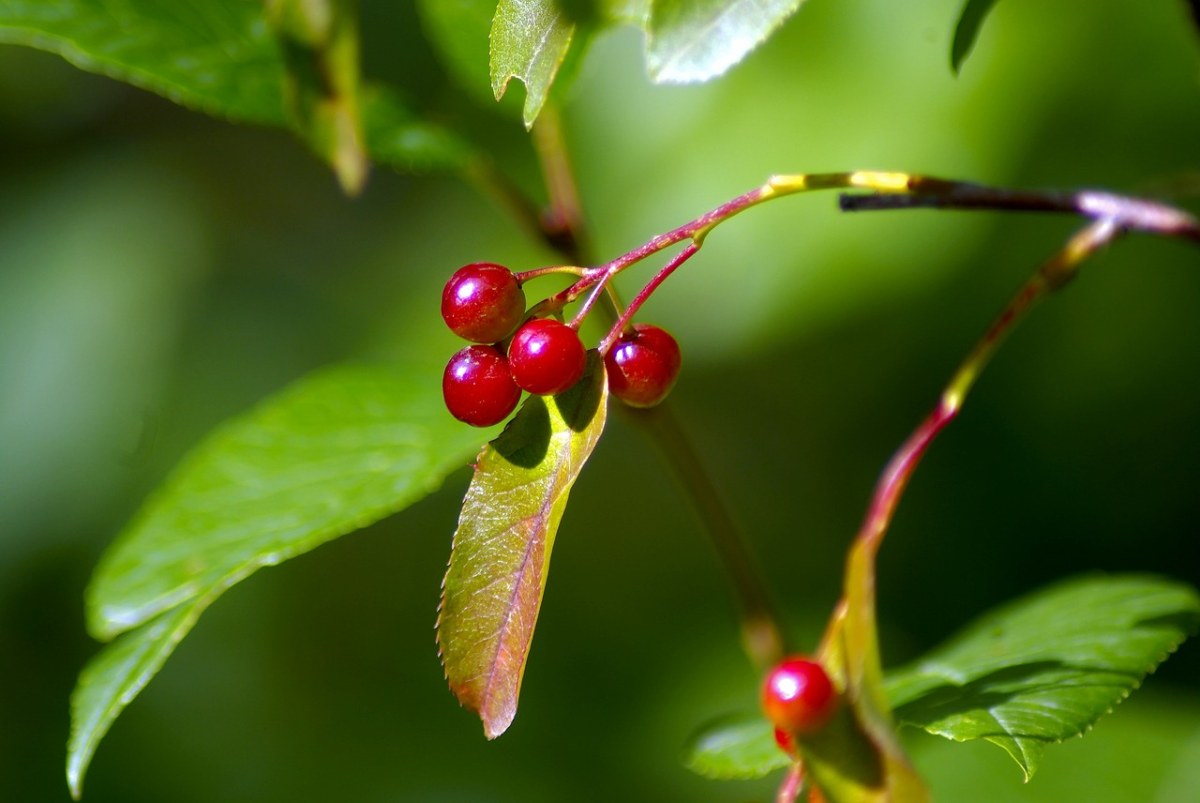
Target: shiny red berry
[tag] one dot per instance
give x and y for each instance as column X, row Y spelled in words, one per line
column 478, row 387
column 798, row 696
column 483, row 302
column 643, row 365
column 546, row 356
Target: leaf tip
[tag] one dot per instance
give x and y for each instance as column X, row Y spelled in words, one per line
column 78, row 758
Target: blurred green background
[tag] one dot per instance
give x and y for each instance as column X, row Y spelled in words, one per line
column 161, row 271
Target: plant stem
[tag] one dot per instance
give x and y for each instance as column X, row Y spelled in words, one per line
column 1126, row 212
column 857, row 608
column 761, row 634
column 762, row 637
column 562, row 223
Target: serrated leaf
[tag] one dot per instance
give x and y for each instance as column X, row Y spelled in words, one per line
column 212, row 55
column 215, row 56
column 966, row 32
column 327, row 456
column 333, row 453
column 1046, row 667
column 501, row 554
column 529, row 40
column 319, row 41
column 736, row 747
column 695, row 40
column 114, row 677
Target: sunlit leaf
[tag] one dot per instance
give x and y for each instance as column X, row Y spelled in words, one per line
column 331, row 454
column 501, row 555
column 1046, row 667
column 735, row 747
column 695, row 40
column 529, row 41
column 114, row 677
column 966, row 32
column 319, row 41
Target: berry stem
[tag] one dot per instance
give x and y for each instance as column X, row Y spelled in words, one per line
column 761, row 634
column 645, row 293
column 762, row 637
column 858, row 618
column 789, row 790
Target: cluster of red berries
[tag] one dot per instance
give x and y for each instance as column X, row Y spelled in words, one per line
column 485, row 304
column 799, row 699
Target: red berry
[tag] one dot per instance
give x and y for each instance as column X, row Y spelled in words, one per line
column 546, row 356
column 478, row 387
column 483, row 302
column 643, row 365
column 798, row 696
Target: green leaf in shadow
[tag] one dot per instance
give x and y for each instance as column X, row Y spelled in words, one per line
column 319, row 41
column 501, row 554
column 735, row 747
column 1046, row 667
column 114, row 677
column 529, row 40
column 403, row 140
column 695, row 40
column 966, row 32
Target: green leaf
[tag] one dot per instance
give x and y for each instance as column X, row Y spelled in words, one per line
column 1046, row 667
column 529, row 41
column 628, row 12
column 331, row 454
column 501, row 555
column 327, row 456
column 114, row 677
column 736, row 747
column 213, row 55
column 967, row 31
column 219, row 57
column 695, row 40
column 400, row 139
column 319, row 40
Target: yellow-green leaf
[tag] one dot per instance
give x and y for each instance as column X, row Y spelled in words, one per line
column 501, row 555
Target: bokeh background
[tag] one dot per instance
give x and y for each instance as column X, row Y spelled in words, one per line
column 161, row 271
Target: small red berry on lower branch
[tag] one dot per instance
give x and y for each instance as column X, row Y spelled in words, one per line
column 798, row 696
column 483, row 302
column 478, row 387
column 546, row 356
column 643, row 365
